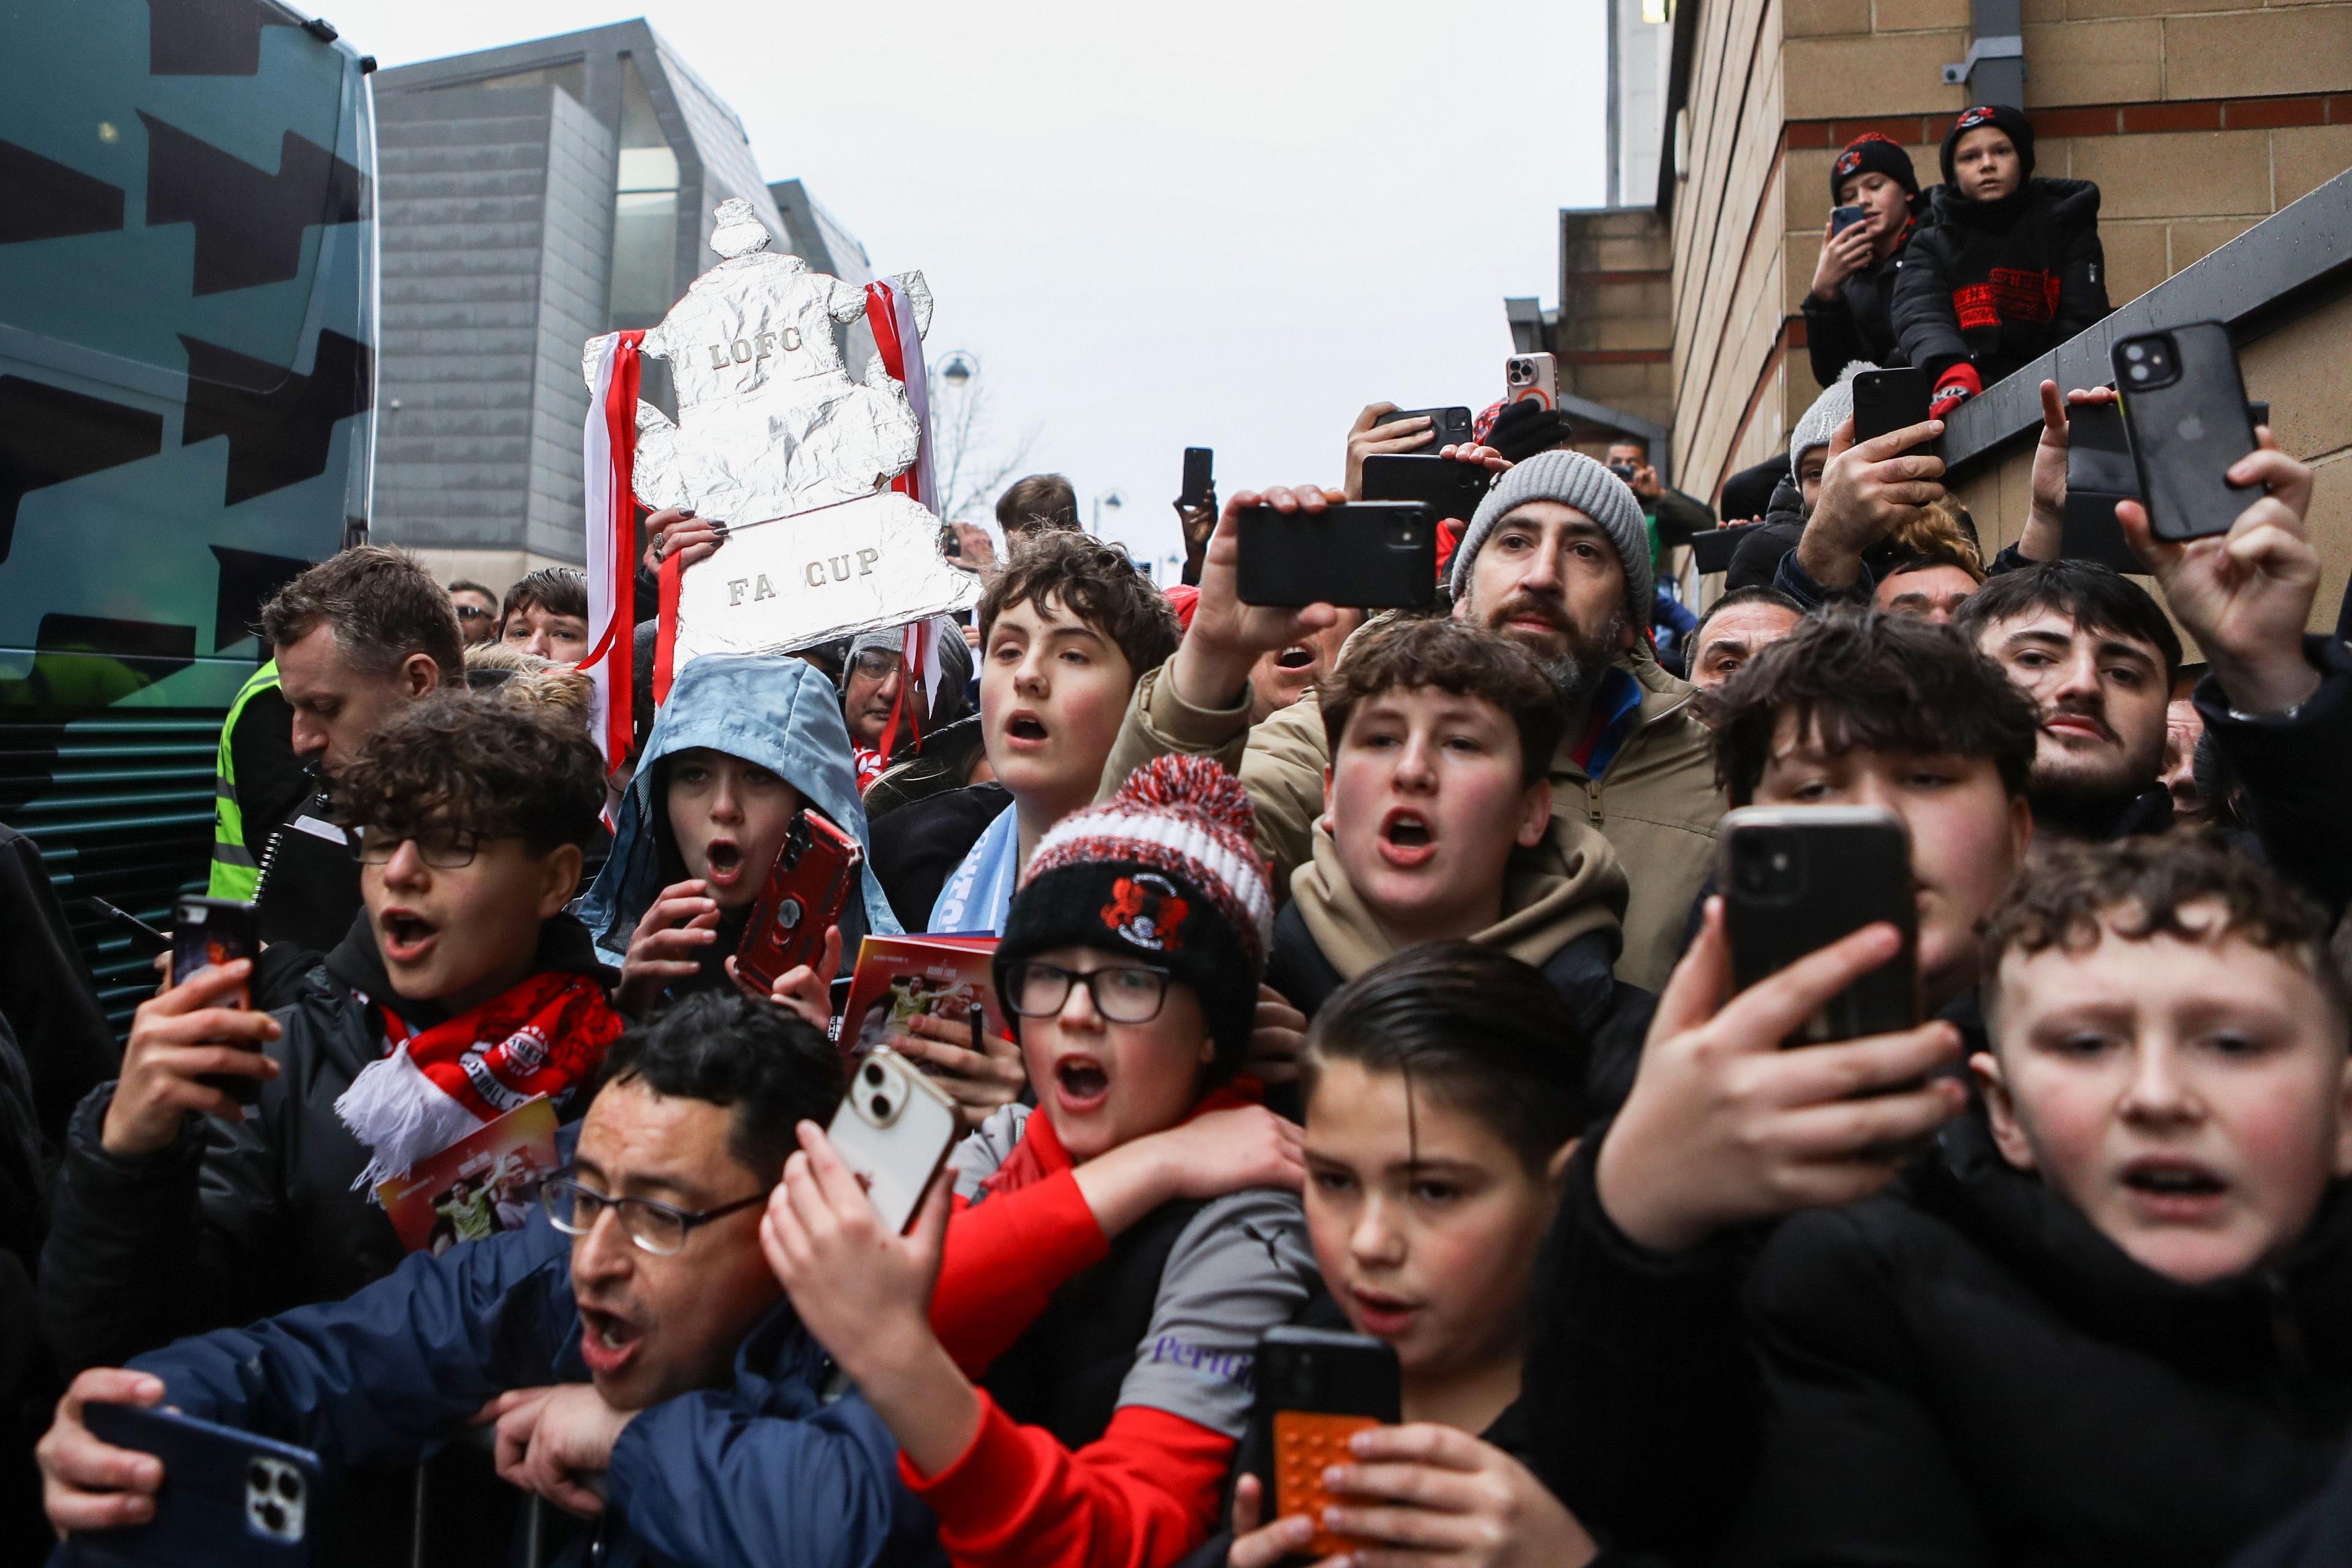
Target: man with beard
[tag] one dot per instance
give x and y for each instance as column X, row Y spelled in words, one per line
column 1557, row 559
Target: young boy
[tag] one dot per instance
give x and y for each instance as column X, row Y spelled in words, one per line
column 547, row 614
column 1065, row 634
column 1444, row 1091
column 462, row 990
column 1109, row 1279
column 744, row 743
column 2112, row 1321
column 2007, row 266
column 1647, row 1418
column 1846, row 309
column 1438, row 828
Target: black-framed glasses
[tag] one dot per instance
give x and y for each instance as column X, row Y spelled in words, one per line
column 474, row 612
column 1122, row 993
column 574, row 1208
column 443, row 849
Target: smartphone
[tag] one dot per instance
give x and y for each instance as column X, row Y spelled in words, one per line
column 1447, row 427
column 806, row 887
column 1531, row 378
column 1797, row 879
column 2099, row 473
column 1316, row 1389
column 1843, row 218
column 1712, row 549
column 894, row 1128
column 2185, row 405
column 1378, row 555
column 227, row 1495
column 1200, row 476
column 143, row 936
column 206, row 933
column 1886, row 400
column 1450, row 488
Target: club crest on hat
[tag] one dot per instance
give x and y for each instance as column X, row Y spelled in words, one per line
column 1980, row 115
column 1146, row 912
column 1848, row 162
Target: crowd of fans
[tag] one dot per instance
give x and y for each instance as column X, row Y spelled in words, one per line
column 1364, row 972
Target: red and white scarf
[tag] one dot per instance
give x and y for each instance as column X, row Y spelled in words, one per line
column 609, row 454
column 435, row 1086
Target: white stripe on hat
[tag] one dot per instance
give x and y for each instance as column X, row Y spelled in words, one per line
column 1241, row 876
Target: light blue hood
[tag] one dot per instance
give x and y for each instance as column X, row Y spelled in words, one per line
column 772, row 709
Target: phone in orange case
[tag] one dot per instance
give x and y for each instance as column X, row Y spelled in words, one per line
column 811, row 880
column 1316, row 1389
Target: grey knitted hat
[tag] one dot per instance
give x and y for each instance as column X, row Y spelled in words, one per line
column 1833, row 408
column 1573, row 480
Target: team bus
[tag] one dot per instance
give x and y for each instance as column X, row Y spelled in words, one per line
column 187, row 390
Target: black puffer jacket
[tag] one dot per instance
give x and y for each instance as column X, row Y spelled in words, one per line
column 238, row 1220
column 2000, row 284
column 1970, row 1373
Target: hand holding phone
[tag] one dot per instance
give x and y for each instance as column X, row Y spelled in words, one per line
column 197, row 1046
column 894, row 1128
column 1447, row 486
column 816, row 868
column 1797, row 879
column 1316, row 1389
column 1358, row 554
column 1531, row 378
column 225, row 1496
column 2185, row 405
column 1886, row 401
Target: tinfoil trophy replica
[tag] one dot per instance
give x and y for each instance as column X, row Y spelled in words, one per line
column 814, row 475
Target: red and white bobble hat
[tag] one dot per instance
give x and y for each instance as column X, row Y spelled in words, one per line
column 1166, row 872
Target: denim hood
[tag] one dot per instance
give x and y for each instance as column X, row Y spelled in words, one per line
column 777, row 711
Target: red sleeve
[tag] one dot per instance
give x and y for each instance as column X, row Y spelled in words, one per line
column 1140, row 1496
column 1002, row 1261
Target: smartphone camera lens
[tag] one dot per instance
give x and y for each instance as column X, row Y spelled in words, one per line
column 2134, row 352
column 873, row 1074
column 257, row 1476
column 881, row 1107
column 273, row 1517
column 290, row 1485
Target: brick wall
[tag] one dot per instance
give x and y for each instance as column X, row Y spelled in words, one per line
column 2197, row 119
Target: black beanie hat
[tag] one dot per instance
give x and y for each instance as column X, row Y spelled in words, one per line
column 1871, row 153
column 2001, row 117
column 1167, row 872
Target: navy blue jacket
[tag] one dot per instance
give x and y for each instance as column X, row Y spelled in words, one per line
column 382, row 1376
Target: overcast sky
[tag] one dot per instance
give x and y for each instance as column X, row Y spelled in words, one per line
column 1214, row 224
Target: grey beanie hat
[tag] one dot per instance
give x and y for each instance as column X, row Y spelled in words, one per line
column 1573, row 479
column 1833, row 408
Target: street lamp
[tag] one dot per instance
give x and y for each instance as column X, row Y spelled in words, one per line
column 1111, row 500
column 958, row 369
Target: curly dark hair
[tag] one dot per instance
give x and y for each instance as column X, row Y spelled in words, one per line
column 2095, row 597
column 1093, row 582
column 382, row 606
column 1866, row 679
column 498, row 768
column 2072, row 893
column 1454, row 657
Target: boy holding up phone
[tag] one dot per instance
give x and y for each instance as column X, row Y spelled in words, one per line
column 1646, row 1415
column 174, row 1214
column 1846, row 309
column 1074, row 1389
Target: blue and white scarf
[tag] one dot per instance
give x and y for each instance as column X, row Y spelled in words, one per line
column 979, row 896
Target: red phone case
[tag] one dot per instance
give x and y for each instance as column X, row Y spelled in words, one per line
column 812, row 878
column 1306, row 1443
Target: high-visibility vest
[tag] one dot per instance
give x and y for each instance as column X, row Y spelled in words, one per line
column 236, row 871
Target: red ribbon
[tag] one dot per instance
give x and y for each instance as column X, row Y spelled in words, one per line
column 616, row 650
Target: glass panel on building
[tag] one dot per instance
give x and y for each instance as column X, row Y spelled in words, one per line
column 572, row 77
column 644, row 211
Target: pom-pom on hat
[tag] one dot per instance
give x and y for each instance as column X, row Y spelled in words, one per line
column 1167, row 872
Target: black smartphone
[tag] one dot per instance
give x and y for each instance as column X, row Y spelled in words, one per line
column 206, row 933
column 2099, row 473
column 1712, row 549
column 1200, row 476
column 1316, row 1389
column 227, row 1495
column 1886, row 400
column 1797, row 879
column 143, row 936
column 2185, row 405
column 1447, row 427
column 1450, row 488
column 1843, row 218
column 1368, row 555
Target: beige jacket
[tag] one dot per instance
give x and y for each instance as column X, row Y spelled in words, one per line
column 1658, row 805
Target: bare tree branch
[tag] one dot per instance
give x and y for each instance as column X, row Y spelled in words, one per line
column 967, row 468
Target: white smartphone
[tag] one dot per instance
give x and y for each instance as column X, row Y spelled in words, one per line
column 1532, row 378
column 894, row 1128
